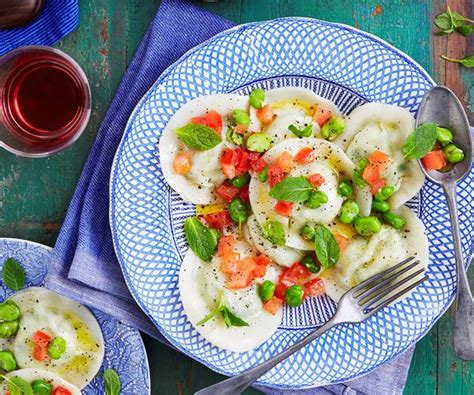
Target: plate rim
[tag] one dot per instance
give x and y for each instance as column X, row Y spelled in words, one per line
column 126, row 133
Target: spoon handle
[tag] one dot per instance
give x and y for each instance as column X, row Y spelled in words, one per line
column 464, row 326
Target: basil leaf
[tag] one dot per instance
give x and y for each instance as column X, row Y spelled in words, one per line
column 326, row 247
column 112, row 382
column 231, row 319
column 275, row 232
column 468, row 61
column 292, row 189
column 18, row 386
column 306, row 132
column 13, row 274
column 200, row 239
column 420, row 141
column 198, row 137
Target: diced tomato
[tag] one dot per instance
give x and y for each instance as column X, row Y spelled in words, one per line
column 244, row 193
column 280, row 291
column 242, row 164
column 265, row 114
column 242, row 277
column 227, row 192
column 240, row 129
column 434, row 160
column 211, row 119
column 322, row 115
column 314, row 287
column 316, row 180
column 283, row 208
column 229, row 263
column 377, row 185
column 371, row 174
column 273, row 305
column 60, row 390
column 263, row 260
column 40, row 353
column 297, row 274
column 342, row 241
column 218, row 220
column 182, row 163
column 285, row 161
column 304, row 155
column 228, row 162
column 41, row 338
column 275, row 175
column 379, row 159
column 226, row 245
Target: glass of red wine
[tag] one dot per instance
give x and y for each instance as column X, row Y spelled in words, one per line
column 45, row 101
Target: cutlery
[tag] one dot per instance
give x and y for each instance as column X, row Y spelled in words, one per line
column 356, row 305
column 441, row 106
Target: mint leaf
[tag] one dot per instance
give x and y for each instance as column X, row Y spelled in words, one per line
column 420, row 141
column 468, row 61
column 112, row 382
column 292, row 189
column 200, row 239
column 18, row 386
column 275, row 232
column 220, row 307
column 465, row 30
column 231, row 319
column 443, row 21
column 326, row 248
column 198, row 137
column 306, row 132
column 13, row 274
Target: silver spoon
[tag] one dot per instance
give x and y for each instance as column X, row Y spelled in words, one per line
column 441, row 106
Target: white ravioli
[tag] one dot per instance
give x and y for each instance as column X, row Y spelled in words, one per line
column 57, row 315
column 292, row 106
column 367, row 256
column 32, row 374
column 201, row 286
column 330, row 161
column 383, row 127
column 197, row 186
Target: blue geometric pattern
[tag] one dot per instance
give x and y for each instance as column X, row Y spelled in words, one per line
column 340, row 63
column 124, row 349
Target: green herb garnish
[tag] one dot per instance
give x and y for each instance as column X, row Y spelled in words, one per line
column 200, row 239
column 451, row 21
column 18, row 386
column 420, row 141
column 198, row 137
column 292, row 189
column 13, row 274
column 275, row 232
column 230, row 318
column 326, row 248
column 112, row 382
column 305, row 132
column 468, row 61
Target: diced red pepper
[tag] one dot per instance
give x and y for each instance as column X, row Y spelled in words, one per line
column 322, row 115
column 316, row 180
column 218, row 220
column 244, row 193
column 273, row 305
column 60, row 390
column 226, row 245
column 211, row 119
column 265, row 114
column 283, row 208
column 434, row 160
column 285, row 161
column 227, row 192
column 275, row 175
column 304, row 155
column 314, row 287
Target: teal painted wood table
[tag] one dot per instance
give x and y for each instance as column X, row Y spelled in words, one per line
column 34, row 194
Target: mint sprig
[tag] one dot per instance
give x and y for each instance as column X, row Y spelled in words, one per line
column 13, row 274
column 230, row 318
column 326, row 247
column 292, row 189
column 198, row 137
column 420, row 141
column 200, row 239
column 112, row 382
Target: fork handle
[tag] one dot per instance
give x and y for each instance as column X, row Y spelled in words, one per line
column 237, row 384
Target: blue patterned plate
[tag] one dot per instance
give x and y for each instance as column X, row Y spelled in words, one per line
column 342, row 64
column 124, row 349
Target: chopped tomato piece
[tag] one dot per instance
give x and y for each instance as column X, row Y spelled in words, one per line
column 242, row 164
column 244, row 193
column 342, row 241
column 285, row 161
column 60, row 390
column 322, row 115
column 263, row 260
column 227, row 192
column 226, row 245
column 434, row 160
column 258, row 165
column 41, row 338
column 211, row 119
column 40, row 353
column 242, row 277
column 280, row 291
column 377, row 185
column 240, row 129
column 379, row 159
column 297, row 274
column 182, row 163
column 371, row 174
column 229, row 262
column 275, row 175
column 228, row 162
column 304, row 155
column 265, row 114
column 273, row 305
column 316, row 180
column 283, row 208
column 218, row 220
column 314, row 287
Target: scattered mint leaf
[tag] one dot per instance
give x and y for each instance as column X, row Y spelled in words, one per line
column 112, row 382
column 451, row 21
column 275, row 232
column 420, row 141
column 305, row 132
column 200, row 239
column 465, row 30
column 292, row 189
column 13, row 274
column 468, row 61
column 326, row 247
column 18, row 386
column 230, row 318
column 198, row 137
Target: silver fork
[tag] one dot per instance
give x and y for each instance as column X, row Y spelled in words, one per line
column 356, row 305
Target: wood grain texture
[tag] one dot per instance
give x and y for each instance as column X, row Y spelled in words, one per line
column 34, row 194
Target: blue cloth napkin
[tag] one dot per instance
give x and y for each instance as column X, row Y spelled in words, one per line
column 84, row 265
column 57, row 19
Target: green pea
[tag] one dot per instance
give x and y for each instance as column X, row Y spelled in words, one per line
column 309, row 263
column 8, row 328
column 215, row 234
column 443, row 135
column 367, row 226
column 316, row 199
column 333, row 128
column 9, row 311
column 241, row 117
column 266, row 290
column 257, row 97
column 263, row 175
column 259, row 142
column 385, row 193
column 394, row 220
column 41, row 387
column 359, row 170
column 234, row 138
column 57, row 347
column 345, row 188
column 7, row 361
column 294, row 295
column 349, row 212
column 240, row 181
column 380, row 205
column 453, row 153
column 238, row 211
column 308, row 232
